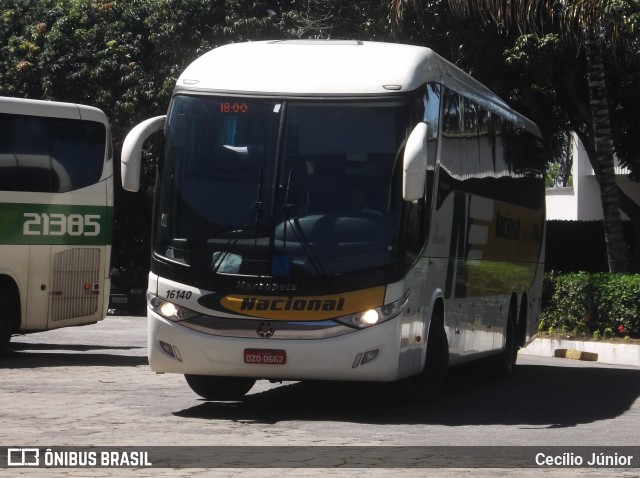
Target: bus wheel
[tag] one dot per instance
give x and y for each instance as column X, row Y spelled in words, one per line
column 219, row 388
column 504, row 363
column 437, row 358
column 5, row 321
column 427, row 385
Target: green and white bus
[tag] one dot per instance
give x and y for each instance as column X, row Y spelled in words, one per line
column 339, row 210
column 56, row 207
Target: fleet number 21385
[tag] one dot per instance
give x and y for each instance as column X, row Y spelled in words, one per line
column 55, row 224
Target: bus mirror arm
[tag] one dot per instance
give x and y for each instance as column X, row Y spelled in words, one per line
column 131, row 156
column 414, row 164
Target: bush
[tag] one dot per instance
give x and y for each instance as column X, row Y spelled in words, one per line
column 596, row 305
column 573, row 246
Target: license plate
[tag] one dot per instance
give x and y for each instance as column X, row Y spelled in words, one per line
column 119, row 300
column 265, row 356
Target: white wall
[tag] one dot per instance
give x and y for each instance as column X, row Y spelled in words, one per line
column 582, row 202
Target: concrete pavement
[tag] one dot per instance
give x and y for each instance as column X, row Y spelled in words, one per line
column 92, row 386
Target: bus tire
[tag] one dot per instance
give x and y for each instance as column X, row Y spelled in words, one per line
column 6, row 321
column 219, row 388
column 503, row 364
column 429, row 383
column 435, row 369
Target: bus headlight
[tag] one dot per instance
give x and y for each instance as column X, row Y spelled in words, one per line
column 371, row 317
column 169, row 310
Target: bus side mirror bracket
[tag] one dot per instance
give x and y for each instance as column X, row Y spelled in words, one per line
column 414, row 163
column 131, row 156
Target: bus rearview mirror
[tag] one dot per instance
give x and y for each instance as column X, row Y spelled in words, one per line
column 414, row 167
column 131, row 156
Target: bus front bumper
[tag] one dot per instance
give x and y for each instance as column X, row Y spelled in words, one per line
column 370, row 354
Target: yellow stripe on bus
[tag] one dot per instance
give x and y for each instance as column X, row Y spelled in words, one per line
column 304, row 308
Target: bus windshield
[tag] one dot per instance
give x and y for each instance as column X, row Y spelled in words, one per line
column 280, row 188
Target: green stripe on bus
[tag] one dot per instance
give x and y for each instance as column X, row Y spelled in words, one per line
column 55, row 224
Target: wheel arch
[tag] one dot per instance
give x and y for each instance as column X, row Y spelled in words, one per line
column 436, row 319
column 436, row 308
column 9, row 286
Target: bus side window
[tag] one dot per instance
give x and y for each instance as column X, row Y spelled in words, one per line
column 7, row 159
column 49, row 154
column 25, row 154
column 77, row 153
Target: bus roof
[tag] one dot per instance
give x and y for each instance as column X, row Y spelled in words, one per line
column 54, row 109
column 332, row 68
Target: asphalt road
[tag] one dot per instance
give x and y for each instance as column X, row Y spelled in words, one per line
column 91, row 387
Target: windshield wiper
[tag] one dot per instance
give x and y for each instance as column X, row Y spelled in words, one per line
column 256, row 208
column 288, row 209
column 220, row 256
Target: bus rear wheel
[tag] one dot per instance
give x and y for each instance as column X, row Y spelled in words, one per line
column 503, row 364
column 219, row 388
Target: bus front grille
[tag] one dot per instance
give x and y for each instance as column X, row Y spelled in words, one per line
column 76, row 283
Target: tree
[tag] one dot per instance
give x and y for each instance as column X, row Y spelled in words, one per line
column 591, row 23
column 553, row 83
column 124, row 57
column 592, row 26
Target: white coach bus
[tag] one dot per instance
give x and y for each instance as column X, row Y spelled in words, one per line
column 56, row 206
column 339, row 210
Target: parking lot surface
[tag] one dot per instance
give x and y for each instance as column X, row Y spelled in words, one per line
column 91, row 387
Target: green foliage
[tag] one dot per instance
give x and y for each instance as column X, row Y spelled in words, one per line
column 124, row 57
column 556, row 177
column 365, row 19
column 598, row 305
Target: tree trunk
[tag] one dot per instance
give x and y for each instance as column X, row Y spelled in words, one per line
column 604, row 170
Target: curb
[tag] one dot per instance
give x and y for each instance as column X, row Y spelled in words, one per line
column 574, row 354
column 603, row 352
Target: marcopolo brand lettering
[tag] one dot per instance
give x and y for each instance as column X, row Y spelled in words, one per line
column 266, row 286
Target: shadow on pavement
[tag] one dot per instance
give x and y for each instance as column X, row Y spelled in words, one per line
column 36, row 355
column 18, row 346
column 535, row 396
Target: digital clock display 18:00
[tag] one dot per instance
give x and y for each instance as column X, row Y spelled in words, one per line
column 233, row 107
